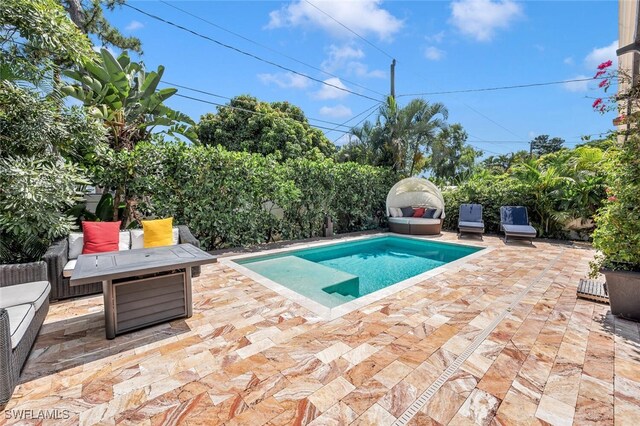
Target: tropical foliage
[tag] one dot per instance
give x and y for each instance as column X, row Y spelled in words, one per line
column 562, row 191
column 126, row 99
column 400, row 138
column 278, row 128
column 617, row 236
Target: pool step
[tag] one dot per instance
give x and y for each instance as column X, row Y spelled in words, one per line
column 313, row 280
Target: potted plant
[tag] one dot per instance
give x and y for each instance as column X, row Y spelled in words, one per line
column 617, row 234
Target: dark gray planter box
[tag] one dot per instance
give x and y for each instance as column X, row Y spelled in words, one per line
column 624, row 293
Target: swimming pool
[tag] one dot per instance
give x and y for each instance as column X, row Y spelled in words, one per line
column 335, row 274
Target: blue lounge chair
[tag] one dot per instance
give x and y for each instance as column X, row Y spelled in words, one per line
column 470, row 219
column 514, row 221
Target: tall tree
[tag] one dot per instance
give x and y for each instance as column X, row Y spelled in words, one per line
column 88, row 15
column 451, row 157
column 278, row 128
column 542, row 145
column 36, row 36
column 503, row 162
column 407, row 132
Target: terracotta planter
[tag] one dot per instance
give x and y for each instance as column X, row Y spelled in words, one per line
column 624, row 293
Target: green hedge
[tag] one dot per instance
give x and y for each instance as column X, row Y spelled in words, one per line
column 232, row 199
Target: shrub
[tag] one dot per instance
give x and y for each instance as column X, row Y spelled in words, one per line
column 232, row 199
column 34, row 195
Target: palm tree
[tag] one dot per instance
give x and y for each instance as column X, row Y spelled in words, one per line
column 408, row 131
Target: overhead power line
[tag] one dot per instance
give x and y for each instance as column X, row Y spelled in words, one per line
column 359, row 122
column 251, row 55
column 349, row 29
column 264, row 46
column 517, row 86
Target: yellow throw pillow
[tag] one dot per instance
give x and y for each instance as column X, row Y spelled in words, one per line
column 157, row 233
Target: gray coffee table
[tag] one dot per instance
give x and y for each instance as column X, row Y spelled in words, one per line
column 142, row 287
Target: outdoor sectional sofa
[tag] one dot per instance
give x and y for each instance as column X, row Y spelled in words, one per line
column 24, row 303
column 61, row 258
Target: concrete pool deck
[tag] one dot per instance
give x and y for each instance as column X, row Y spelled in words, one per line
column 501, row 339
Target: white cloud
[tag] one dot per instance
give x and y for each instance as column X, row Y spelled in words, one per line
column 435, row 38
column 338, row 56
column 287, row 80
column 602, row 54
column 364, row 17
column 329, row 92
column 433, row 53
column 577, row 86
column 338, row 111
column 362, row 70
column 481, row 19
column 568, row 60
column 134, row 25
column 346, row 57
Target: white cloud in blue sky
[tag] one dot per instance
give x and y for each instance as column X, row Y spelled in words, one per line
column 331, row 92
column 577, row 86
column 433, row 53
column 481, row 19
column 134, row 25
column 601, row 54
column 338, row 111
column 286, row 80
column 364, row 17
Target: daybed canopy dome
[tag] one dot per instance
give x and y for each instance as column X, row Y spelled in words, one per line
column 415, row 192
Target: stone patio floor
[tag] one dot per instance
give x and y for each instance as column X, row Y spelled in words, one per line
column 250, row 356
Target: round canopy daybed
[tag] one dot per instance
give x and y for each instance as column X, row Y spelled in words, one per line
column 416, row 193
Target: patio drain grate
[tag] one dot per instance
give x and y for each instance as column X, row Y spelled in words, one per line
column 422, row 400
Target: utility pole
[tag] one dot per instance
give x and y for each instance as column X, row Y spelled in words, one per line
column 393, row 79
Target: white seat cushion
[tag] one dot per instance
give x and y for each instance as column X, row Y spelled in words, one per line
column 414, row 220
column 35, row 293
column 76, row 242
column 68, row 268
column 20, row 317
column 137, row 238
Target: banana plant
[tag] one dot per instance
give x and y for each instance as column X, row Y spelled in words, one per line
column 126, row 98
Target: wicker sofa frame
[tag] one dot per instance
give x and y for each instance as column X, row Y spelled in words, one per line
column 58, row 255
column 12, row 360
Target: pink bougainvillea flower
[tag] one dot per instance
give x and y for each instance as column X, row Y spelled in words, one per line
column 602, row 108
column 597, row 102
column 612, row 198
column 599, row 73
column 604, row 65
column 603, row 83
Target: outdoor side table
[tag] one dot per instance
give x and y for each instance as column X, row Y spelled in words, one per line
column 142, row 287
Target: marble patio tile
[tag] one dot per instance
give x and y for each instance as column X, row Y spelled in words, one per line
column 555, row 412
column 479, row 408
column 392, row 374
column 331, row 393
column 358, row 354
column 338, row 415
column 375, row 416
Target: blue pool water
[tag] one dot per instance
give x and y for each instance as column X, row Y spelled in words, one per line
column 337, row 273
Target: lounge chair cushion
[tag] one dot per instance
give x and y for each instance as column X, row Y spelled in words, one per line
column 470, row 213
column 68, row 268
column 474, row 225
column 20, row 317
column 395, row 212
column 20, row 294
column 519, row 230
column 514, row 215
column 414, row 220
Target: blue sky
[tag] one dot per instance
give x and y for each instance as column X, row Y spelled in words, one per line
column 439, row 46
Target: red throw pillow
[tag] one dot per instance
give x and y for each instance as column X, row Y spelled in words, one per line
column 418, row 212
column 100, row 237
